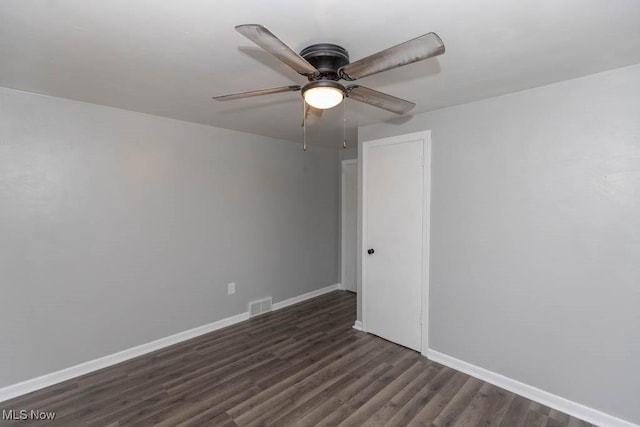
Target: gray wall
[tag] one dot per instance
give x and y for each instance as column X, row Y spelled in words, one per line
column 349, row 153
column 118, row 228
column 535, row 239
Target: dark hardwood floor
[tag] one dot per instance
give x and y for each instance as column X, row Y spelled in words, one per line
column 303, row 365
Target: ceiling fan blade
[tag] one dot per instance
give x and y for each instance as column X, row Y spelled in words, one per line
column 256, row 93
column 379, row 99
column 272, row 44
column 423, row 47
column 312, row 115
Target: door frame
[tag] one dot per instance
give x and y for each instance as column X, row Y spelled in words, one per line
column 425, row 136
column 342, row 220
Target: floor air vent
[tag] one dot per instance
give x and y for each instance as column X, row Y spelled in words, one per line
column 259, row 306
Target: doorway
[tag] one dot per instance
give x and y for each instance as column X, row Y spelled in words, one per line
column 349, row 227
column 395, row 238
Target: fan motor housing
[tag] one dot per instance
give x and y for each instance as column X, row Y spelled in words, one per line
column 327, row 58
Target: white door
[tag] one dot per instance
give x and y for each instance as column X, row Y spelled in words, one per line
column 394, row 240
column 349, row 223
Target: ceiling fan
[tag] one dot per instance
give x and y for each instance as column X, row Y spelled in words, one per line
column 324, row 64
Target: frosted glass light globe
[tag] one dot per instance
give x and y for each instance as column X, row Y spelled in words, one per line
column 323, row 97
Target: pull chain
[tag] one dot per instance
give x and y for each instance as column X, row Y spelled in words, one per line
column 344, row 123
column 304, row 125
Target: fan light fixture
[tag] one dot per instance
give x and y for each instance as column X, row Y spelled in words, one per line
column 323, row 94
column 324, row 64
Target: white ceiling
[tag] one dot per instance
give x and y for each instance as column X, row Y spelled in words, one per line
column 169, row 57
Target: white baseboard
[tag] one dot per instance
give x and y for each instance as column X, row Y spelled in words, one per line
column 358, row 325
column 15, row 390
column 304, row 297
column 575, row 409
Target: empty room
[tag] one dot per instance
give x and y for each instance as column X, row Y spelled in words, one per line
column 320, row 213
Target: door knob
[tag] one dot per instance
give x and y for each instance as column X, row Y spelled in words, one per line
column 370, row 251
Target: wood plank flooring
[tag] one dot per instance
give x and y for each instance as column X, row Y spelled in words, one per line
column 303, row 365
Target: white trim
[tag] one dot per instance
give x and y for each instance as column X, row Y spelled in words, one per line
column 574, row 409
column 424, row 136
column 28, row 386
column 350, row 162
column 426, row 238
column 357, row 325
column 304, row 297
